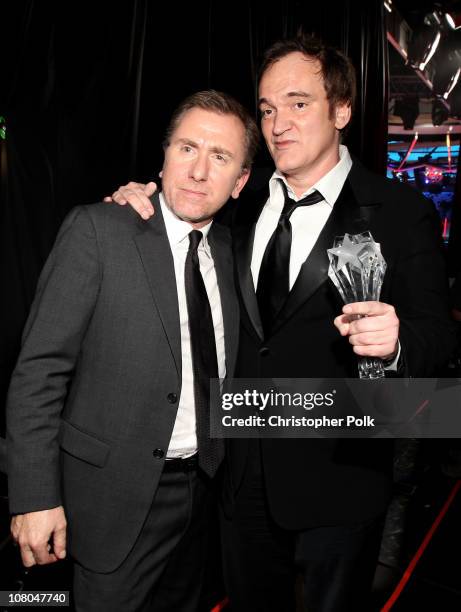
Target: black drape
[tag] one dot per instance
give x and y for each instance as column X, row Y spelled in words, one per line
column 88, row 88
column 365, row 42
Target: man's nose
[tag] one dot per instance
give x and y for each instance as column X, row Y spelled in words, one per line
column 199, row 168
column 281, row 123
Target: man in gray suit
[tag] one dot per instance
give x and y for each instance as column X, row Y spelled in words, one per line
column 107, row 455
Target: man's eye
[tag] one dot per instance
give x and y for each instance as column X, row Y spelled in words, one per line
column 186, row 148
column 300, row 105
column 265, row 112
column 220, row 158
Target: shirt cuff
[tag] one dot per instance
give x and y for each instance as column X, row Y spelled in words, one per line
column 392, row 366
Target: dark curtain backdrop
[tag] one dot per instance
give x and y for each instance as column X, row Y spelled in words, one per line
column 87, row 89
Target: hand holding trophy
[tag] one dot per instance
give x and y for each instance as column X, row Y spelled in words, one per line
column 357, row 270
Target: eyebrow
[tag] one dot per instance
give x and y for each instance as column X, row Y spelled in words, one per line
column 290, row 94
column 219, row 150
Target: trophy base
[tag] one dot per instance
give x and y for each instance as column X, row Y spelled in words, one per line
column 371, row 367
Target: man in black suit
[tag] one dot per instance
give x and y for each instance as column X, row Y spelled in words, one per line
column 318, row 505
column 109, row 453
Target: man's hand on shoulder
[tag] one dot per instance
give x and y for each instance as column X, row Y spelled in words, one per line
column 41, row 536
column 137, row 196
column 372, row 327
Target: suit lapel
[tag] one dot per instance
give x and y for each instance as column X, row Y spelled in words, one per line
column 155, row 252
column 243, row 237
column 220, row 244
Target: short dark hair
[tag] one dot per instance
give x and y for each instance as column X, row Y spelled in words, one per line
column 223, row 104
column 336, row 68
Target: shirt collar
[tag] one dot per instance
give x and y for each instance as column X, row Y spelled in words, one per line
column 329, row 185
column 178, row 230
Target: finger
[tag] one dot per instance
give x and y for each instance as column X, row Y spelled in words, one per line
column 119, row 198
column 28, row 559
column 59, row 543
column 139, row 201
column 374, row 350
column 150, row 188
column 372, row 338
column 137, row 188
column 42, row 555
column 376, row 323
column 367, row 308
column 107, row 199
column 342, row 324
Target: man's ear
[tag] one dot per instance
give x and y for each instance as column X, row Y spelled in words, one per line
column 342, row 115
column 240, row 183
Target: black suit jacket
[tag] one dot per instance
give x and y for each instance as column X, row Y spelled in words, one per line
column 97, row 384
column 323, row 482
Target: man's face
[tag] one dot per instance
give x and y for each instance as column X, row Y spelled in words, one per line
column 202, row 168
column 300, row 132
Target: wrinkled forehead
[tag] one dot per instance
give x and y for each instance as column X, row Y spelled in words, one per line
column 212, row 130
column 291, row 72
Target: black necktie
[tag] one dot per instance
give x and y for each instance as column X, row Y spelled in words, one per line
column 204, row 360
column 274, row 274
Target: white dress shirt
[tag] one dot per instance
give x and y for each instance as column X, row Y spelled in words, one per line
column 183, row 441
column 306, row 221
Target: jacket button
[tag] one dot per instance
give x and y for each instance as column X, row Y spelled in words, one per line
column 158, row 453
column 264, row 351
column 172, row 398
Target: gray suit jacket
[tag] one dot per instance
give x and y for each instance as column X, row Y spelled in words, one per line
column 96, row 388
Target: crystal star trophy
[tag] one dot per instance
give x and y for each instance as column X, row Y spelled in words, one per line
column 357, row 270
